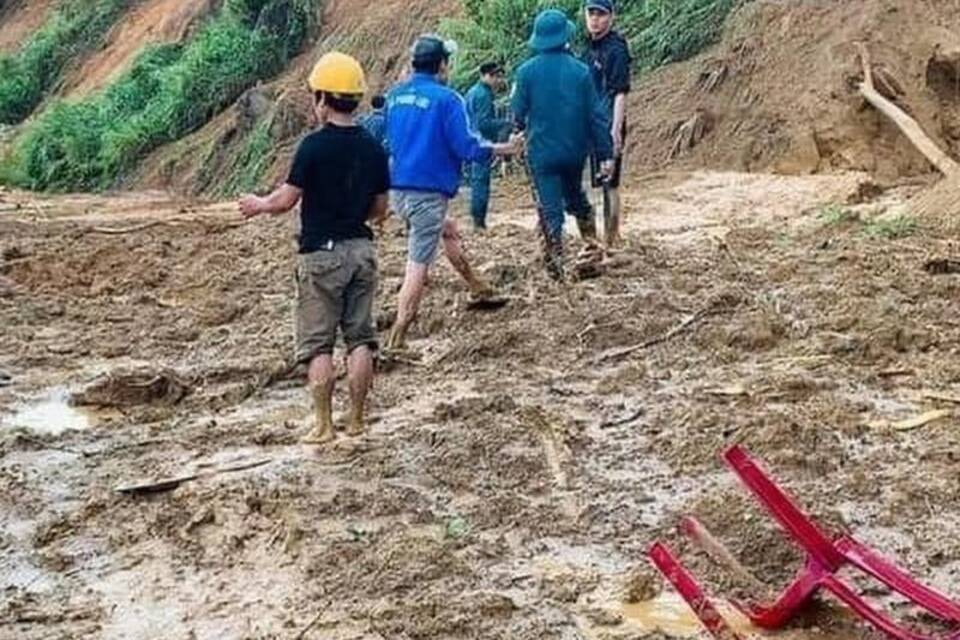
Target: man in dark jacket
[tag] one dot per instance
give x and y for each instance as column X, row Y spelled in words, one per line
column 375, row 121
column 609, row 58
column 483, row 120
column 556, row 103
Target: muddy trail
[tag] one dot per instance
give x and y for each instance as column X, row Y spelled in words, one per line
column 514, row 476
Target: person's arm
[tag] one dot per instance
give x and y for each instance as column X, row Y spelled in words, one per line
column 288, row 195
column 599, row 125
column 379, row 210
column 281, row 200
column 619, row 116
column 519, row 104
column 380, row 207
column 618, row 85
column 464, row 143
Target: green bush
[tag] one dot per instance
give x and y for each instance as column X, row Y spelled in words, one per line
column 659, row 31
column 75, row 26
column 252, row 162
column 900, row 225
column 170, row 91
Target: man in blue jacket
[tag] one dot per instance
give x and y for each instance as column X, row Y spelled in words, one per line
column 608, row 56
column 483, row 119
column 556, row 103
column 429, row 140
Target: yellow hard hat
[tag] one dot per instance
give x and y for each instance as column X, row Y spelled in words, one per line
column 340, row 74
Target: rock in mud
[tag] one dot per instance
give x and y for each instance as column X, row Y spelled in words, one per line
column 120, row 389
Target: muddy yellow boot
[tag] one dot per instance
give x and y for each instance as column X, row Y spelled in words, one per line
column 358, row 425
column 397, row 340
column 322, row 431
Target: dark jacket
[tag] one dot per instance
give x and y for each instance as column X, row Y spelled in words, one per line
column 609, row 62
column 375, row 122
column 482, row 112
column 556, row 103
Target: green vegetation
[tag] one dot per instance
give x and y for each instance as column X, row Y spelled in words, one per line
column 170, row 91
column 892, row 227
column 659, row 31
column 76, row 26
column 252, row 163
column 835, row 214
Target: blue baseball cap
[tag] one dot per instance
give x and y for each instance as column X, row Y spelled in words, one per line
column 602, row 5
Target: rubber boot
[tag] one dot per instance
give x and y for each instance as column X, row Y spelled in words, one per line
column 553, row 258
column 588, row 228
column 358, row 424
column 322, row 431
column 397, row 340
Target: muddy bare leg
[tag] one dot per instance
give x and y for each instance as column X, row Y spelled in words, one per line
column 360, row 376
column 321, row 377
column 453, row 249
column 411, row 294
column 612, row 218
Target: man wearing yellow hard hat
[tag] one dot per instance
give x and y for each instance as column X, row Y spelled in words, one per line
column 340, row 175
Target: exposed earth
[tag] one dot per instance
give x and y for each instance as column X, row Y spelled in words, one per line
column 515, row 476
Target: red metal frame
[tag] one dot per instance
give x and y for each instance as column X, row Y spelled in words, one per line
column 825, row 557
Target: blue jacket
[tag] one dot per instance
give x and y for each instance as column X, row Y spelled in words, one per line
column 375, row 122
column 556, row 103
column 429, row 137
column 482, row 112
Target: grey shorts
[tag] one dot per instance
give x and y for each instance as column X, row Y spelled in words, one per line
column 424, row 212
column 336, row 289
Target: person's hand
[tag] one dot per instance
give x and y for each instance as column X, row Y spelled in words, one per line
column 250, row 206
column 518, row 142
column 607, row 168
column 379, row 225
column 617, row 134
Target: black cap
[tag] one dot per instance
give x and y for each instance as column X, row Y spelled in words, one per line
column 432, row 48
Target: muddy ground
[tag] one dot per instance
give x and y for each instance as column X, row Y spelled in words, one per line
column 513, row 478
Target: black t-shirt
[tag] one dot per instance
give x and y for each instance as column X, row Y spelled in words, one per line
column 341, row 170
column 609, row 60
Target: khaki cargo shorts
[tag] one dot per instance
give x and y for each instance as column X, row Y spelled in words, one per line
column 336, row 289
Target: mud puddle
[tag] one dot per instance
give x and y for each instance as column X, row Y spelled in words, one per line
column 50, row 414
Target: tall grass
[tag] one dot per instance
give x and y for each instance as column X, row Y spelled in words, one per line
column 659, row 31
column 27, row 74
column 170, row 91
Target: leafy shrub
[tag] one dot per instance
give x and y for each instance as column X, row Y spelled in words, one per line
column 659, row 31
column 170, row 91
column 75, row 26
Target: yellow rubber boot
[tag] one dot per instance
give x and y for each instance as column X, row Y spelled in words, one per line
column 322, row 431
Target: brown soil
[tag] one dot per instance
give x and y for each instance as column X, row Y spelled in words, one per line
column 150, row 22
column 780, row 91
column 18, row 19
column 511, row 483
column 378, row 32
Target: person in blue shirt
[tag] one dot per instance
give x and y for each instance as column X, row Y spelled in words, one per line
column 375, row 120
column 483, row 119
column 556, row 103
column 429, row 139
column 608, row 56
